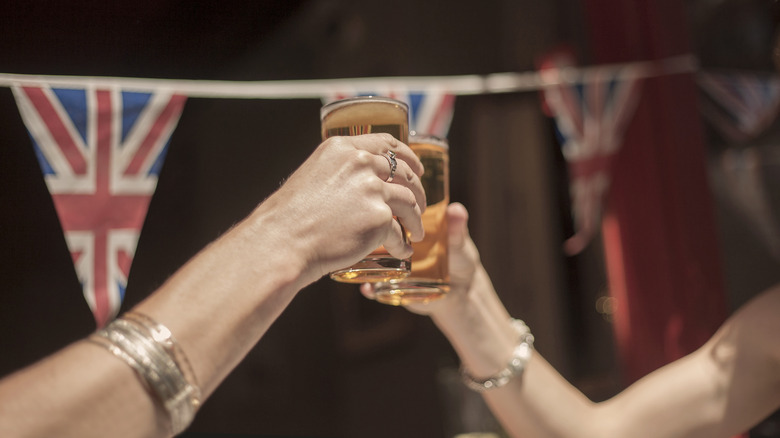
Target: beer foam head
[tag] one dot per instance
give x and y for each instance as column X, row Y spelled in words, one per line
column 365, row 110
column 424, row 138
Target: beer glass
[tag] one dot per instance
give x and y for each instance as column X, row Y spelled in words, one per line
column 430, row 278
column 365, row 115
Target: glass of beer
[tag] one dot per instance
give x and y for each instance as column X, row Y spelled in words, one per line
column 430, row 276
column 366, row 115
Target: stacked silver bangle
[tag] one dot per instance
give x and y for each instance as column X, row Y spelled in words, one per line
column 151, row 350
column 520, row 357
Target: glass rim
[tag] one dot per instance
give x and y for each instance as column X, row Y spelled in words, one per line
column 424, row 137
column 330, row 106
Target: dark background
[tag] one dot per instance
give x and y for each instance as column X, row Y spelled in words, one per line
column 335, row 364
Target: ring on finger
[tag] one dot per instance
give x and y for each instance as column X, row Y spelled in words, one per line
column 390, row 155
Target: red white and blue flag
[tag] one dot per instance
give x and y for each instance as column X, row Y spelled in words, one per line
column 101, row 150
column 740, row 105
column 430, row 110
column 592, row 109
column 740, row 175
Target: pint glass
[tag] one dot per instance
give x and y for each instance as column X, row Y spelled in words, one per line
column 366, row 115
column 430, row 276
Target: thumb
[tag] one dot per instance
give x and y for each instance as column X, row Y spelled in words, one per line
column 457, row 224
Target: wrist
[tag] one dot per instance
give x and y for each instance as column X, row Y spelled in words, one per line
column 276, row 243
column 465, row 303
column 478, row 326
column 521, row 354
column 243, row 280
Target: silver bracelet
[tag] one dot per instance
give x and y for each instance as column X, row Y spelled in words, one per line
column 153, row 353
column 520, row 357
column 163, row 335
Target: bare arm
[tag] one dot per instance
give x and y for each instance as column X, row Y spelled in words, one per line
column 332, row 211
column 723, row 389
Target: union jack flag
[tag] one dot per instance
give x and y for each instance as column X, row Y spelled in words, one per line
column 592, row 109
column 430, row 110
column 740, row 105
column 101, row 151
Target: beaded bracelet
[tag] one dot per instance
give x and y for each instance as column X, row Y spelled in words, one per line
column 520, row 357
column 150, row 349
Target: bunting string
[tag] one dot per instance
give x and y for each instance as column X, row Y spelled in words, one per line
column 317, row 88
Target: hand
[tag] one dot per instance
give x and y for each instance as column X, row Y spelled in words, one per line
column 463, row 264
column 337, row 206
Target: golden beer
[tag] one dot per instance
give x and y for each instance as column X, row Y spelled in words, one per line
column 366, row 115
column 430, row 276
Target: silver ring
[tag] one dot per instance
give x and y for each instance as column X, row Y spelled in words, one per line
column 390, row 155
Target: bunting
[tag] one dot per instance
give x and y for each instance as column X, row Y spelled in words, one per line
column 742, row 173
column 592, row 109
column 740, row 105
column 101, row 141
column 100, row 151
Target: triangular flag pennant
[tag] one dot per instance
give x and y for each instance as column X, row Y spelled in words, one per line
column 743, row 174
column 740, row 105
column 101, row 151
column 430, row 110
column 592, row 109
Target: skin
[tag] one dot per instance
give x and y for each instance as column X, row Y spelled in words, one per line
column 221, row 302
column 721, row 390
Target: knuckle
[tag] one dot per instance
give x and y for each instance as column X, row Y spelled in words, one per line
column 410, row 176
column 411, row 200
column 370, row 186
column 382, row 211
column 363, row 158
column 386, row 137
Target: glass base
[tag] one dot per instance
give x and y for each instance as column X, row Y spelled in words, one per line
column 373, row 270
column 410, row 291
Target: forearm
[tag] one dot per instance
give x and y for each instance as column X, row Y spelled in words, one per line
column 80, row 391
column 479, row 329
column 334, row 209
column 541, row 403
column 721, row 390
column 221, row 302
column 217, row 307
column 718, row 391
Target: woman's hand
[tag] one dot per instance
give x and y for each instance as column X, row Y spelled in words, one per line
column 337, row 206
column 463, row 264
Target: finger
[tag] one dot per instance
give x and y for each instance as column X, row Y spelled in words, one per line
column 390, row 167
column 381, row 143
column 367, row 289
column 396, row 243
column 406, row 154
column 405, row 207
column 404, row 176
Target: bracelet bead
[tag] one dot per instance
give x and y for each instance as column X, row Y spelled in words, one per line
column 521, row 354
